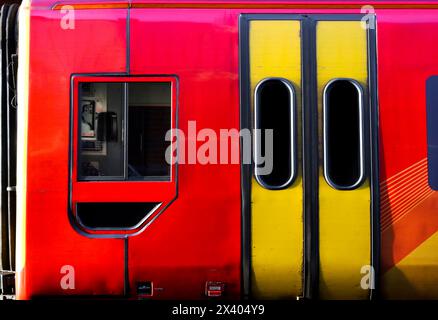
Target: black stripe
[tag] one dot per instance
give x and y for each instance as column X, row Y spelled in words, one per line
column 5, row 263
column 126, row 268
column 310, row 159
column 245, row 123
column 374, row 156
column 11, row 49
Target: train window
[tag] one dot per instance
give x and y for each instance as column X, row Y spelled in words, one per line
column 149, row 119
column 110, row 215
column 343, row 134
column 275, row 109
column 101, row 138
column 122, row 131
column 432, row 130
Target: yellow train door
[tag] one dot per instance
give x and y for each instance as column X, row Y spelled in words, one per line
column 309, row 213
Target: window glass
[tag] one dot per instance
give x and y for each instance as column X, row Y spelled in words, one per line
column 432, row 130
column 101, row 134
column 122, row 130
column 114, row 215
column 149, row 119
column 342, row 134
column 274, row 110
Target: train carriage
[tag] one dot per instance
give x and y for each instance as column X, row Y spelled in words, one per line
column 219, row 149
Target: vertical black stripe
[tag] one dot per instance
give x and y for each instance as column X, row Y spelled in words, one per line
column 11, row 49
column 374, row 156
column 126, row 268
column 310, row 159
column 5, row 263
column 245, row 122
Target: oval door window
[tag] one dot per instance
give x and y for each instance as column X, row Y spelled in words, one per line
column 343, row 134
column 274, row 142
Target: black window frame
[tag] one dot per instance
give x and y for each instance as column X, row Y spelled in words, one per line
column 362, row 175
column 293, row 139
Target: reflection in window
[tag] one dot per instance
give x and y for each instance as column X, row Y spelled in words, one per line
column 122, row 131
column 149, row 120
column 274, row 109
column 101, row 116
column 343, row 134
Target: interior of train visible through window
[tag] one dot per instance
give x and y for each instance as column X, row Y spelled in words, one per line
column 122, row 130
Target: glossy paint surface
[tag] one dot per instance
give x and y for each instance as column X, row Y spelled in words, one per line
column 51, row 242
column 198, row 237
column 344, row 215
column 277, row 215
column 408, row 205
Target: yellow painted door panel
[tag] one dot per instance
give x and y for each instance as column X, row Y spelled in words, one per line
column 344, row 215
column 277, row 215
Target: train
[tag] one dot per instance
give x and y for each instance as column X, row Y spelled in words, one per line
column 219, row 149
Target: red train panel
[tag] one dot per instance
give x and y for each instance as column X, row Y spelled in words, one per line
column 197, row 235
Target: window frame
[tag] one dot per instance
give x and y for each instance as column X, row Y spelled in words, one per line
column 432, row 131
column 118, row 191
column 361, row 177
column 293, row 142
column 124, row 81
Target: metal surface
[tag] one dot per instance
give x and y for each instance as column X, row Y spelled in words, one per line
column 171, row 41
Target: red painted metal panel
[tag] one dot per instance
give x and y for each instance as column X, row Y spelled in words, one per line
column 198, row 237
column 96, row 44
column 407, row 56
column 404, row 63
column 242, row 4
